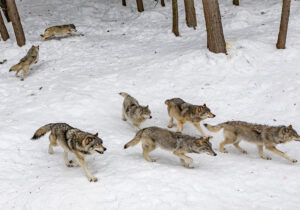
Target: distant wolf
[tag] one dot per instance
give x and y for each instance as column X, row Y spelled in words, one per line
column 178, row 143
column 73, row 140
column 2, row 62
column 59, row 30
column 133, row 111
column 185, row 112
column 261, row 135
column 31, row 57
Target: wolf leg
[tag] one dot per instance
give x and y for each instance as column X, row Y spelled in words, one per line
column 17, row 72
column 69, row 163
column 179, row 126
column 53, row 143
column 197, row 125
column 237, row 146
column 136, row 126
column 146, row 149
column 170, row 125
column 223, row 143
column 25, row 71
column 185, row 160
column 282, row 154
column 82, row 163
column 123, row 115
column 261, row 153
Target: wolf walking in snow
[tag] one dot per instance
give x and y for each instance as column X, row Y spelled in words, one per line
column 178, row 143
column 133, row 111
column 59, row 30
column 72, row 140
column 31, row 57
column 261, row 135
column 185, row 112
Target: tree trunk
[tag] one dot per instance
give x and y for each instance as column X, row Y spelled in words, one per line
column 124, row 3
column 4, row 9
column 236, row 2
column 3, row 30
column 190, row 13
column 16, row 22
column 215, row 35
column 175, row 29
column 140, row 5
column 285, row 14
column 162, row 3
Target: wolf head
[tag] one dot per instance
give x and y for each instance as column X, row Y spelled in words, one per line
column 35, row 48
column 145, row 112
column 203, row 145
column 289, row 134
column 204, row 112
column 92, row 144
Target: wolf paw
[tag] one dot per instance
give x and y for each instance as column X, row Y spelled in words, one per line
column 244, row 152
column 93, row 179
column 189, row 166
column 294, row 160
column 22, row 79
column 72, row 164
column 224, row 151
column 170, row 126
column 266, row 157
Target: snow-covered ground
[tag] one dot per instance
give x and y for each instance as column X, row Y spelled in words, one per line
column 77, row 81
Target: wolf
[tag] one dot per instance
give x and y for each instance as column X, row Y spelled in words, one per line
column 59, row 30
column 133, row 111
column 185, row 112
column 31, row 57
column 72, row 140
column 178, row 143
column 261, row 135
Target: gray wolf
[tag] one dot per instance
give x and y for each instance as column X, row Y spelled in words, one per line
column 178, row 143
column 59, row 30
column 261, row 135
column 133, row 111
column 184, row 112
column 31, row 57
column 72, row 140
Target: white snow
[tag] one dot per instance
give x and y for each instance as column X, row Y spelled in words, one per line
column 123, row 50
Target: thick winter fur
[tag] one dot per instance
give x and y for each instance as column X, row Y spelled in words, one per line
column 133, row 111
column 59, row 30
column 261, row 135
column 176, row 142
column 73, row 140
column 31, row 57
column 184, row 112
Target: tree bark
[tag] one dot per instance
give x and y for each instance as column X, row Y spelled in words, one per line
column 175, row 29
column 190, row 13
column 215, row 36
column 3, row 30
column 124, row 3
column 4, row 9
column 16, row 22
column 140, row 5
column 163, row 3
column 236, row 2
column 285, row 14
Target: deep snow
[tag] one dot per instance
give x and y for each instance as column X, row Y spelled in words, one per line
column 122, row 50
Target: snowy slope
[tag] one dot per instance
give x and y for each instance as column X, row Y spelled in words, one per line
column 122, row 50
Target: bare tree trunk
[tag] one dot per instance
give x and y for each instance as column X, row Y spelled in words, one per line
column 16, row 22
column 4, row 9
column 236, row 2
column 215, row 35
column 175, row 29
column 140, row 5
column 190, row 13
column 124, row 3
column 285, row 14
column 162, row 3
column 3, row 30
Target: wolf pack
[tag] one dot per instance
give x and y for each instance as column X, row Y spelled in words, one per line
column 82, row 143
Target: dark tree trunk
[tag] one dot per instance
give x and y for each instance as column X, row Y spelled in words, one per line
column 16, row 22
column 124, row 3
column 4, row 9
column 140, row 5
column 3, row 30
column 285, row 14
column 236, row 2
column 215, row 35
column 190, row 13
column 175, row 29
column 162, row 3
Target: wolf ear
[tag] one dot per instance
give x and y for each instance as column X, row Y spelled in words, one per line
column 208, row 138
column 204, row 105
column 96, row 134
column 290, row 127
column 147, row 106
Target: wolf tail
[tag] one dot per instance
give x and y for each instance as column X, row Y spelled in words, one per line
column 16, row 67
column 214, row 128
column 124, row 94
column 135, row 140
column 42, row 131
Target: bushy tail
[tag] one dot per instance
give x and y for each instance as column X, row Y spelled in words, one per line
column 124, row 94
column 213, row 128
column 42, row 131
column 16, row 67
column 135, row 140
